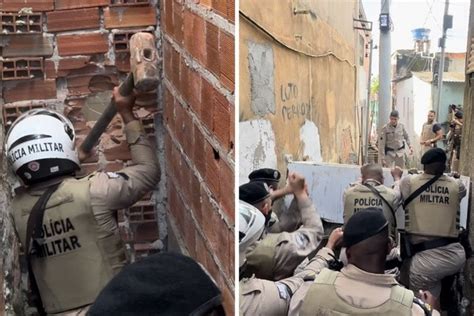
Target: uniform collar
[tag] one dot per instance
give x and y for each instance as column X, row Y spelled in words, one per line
column 372, row 181
column 353, row 272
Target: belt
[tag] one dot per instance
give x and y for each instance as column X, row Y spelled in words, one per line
column 431, row 244
column 391, row 149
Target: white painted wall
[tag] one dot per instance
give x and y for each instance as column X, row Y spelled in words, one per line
column 310, row 142
column 256, row 147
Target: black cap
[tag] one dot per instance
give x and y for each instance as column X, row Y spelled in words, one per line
column 394, row 113
column 253, row 192
column 265, row 174
column 434, row 155
column 362, row 225
column 161, row 284
column 458, row 114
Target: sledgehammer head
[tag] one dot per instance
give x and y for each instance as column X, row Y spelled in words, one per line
column 144, row 62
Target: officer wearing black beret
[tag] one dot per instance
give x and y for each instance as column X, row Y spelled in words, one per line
column 432, row 206
column 361, row 287
column 267, row 175
column 277, row 255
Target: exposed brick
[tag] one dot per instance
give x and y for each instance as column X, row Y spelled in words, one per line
column 30, row 90
column 145, row 232
column 231, row 10
column 128, row 2
column 80, row 44
column 24, row 23
column 227, row 188
column 21, row 68
column 221, row 117
column 207, row 104
column 220, row 6
column 199, row 151
column 28, row 45
column 195, row 35
column 227, row 59
column 192, row 90
column 212, row 48
column 75, row 4
column 113, row 167
column 11, row 112
column 212, row 170
column 35, row 5
column 50, row 69
column 116, row 17
column 121, row 40
column 87, row 168
column 71, row 63
column 85, row 84
column 122, row 62
column 73, row 19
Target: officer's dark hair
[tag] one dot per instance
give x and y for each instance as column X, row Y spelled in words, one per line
column 432, row 111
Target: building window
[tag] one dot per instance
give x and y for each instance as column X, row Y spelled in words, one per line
column 361, row 50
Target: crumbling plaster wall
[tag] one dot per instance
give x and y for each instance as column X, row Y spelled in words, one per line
column 300, row 77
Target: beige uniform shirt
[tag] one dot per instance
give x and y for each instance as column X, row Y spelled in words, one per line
column 110, row 191
column 392, row 139
column 293, row 247
column 288, row 220
column 263, row 297
column 358, row 288
column 428, row 267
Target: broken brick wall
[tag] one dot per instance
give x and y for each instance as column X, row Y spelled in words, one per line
column 68, row 55
column 198, row 48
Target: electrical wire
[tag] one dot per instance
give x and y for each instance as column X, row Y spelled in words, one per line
column 276, row 39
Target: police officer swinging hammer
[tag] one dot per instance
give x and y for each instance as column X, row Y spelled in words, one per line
column 67, row 226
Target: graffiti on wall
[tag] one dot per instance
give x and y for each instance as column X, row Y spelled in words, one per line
column 292, row 107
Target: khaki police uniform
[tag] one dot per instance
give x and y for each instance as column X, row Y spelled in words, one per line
column 264, row 297
column 392, row 145
column 81, row 249
column 285, row 219
column 358, row 197
column 456, row 147
column 277, row 255
column 427, row 134
column 433, row 214
column 354, row 291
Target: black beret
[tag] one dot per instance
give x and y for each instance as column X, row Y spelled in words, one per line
column 362, row 225
column 265, row 174
column 253, row 192
column 433, row 155
column 458, row 114
column 394, row 113
column 161, row 284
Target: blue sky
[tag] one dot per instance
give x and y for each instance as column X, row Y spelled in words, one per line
column 410, row 14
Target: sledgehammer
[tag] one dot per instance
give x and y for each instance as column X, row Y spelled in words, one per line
column 143, row 78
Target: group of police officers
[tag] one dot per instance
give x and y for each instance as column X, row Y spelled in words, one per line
column 285, row 271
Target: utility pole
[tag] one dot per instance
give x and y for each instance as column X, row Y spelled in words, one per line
column 385, row 73
column 467, row 153
column 367, row 135
column 447, row 24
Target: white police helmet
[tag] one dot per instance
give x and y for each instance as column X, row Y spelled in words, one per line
column 251, row 226
column 40, row 146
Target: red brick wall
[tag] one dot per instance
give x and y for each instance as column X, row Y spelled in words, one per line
column 198, row 50
column 68, row 55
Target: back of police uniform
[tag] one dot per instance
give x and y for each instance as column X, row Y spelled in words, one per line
column 77, row 256
column 322, row 299
column 79, row 248
column 359, row 196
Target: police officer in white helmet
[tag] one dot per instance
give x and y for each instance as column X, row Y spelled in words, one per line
column 67, row 226
column 265, row 297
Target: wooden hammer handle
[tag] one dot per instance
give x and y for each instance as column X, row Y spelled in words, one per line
column 125, row 89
